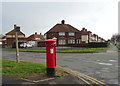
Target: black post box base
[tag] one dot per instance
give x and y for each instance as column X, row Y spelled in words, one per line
column 51, row 72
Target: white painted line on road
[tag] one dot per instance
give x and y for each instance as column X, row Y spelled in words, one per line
column 104, row 63
column 113, row 60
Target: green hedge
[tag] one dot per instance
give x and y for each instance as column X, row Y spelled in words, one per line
column 97, row 44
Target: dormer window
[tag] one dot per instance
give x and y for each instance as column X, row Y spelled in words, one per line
column 61, row 33
column 71, row 33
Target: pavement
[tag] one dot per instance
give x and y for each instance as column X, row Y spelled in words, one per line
column 69, row 79
column 72, row 78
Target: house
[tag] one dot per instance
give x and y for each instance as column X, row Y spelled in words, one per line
column 65, row 35
column 84, row 35
column 35, row 39
column 10, row 38
column 116, row 39
column 95, row 38
column 2, row 40
column 89, row 36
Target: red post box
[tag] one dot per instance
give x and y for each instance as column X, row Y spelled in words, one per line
column 50, row 57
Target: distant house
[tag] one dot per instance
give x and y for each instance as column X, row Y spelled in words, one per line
column 89, row 36
column 35, row 39
column 2, row 40
column 84, row 35
column 116, row 39
column 65, row 35
column 10, row 38
column 95, row 38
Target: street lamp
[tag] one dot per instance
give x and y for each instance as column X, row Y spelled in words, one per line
column 17, row 29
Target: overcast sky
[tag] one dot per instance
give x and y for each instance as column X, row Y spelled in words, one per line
column 99, row 17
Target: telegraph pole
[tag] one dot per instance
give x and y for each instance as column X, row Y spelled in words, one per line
column 17, row 29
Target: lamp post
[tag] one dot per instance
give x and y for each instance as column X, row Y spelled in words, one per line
column 17, row 29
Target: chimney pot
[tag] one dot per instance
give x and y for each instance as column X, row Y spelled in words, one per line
column 15, row 25
column 35, row 32
column 40, row 33
column 83, row 28
column 63, row 22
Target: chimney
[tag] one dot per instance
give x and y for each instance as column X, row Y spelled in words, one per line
column 83, row 28
column 63, row 22
column 35, row 32
column 40, row 33
column 15, row 26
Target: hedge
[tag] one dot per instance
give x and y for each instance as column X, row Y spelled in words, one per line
column 97, row 44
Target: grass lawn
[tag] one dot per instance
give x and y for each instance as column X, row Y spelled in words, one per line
column 118, row 47
column 30, row 50
column 79, row 51
column 26, row 70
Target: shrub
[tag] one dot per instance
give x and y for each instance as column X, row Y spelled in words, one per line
column 97, row 44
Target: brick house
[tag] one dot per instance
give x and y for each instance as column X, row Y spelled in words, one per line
column 95, row 38
column 10, row 38
column 65, row 35
column 85, row 35
column 36, row 39
column 2, row 40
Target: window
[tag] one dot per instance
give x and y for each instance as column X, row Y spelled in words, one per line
column 78, row 41
column 62, row 33
column 71, row 33
column 62, row 41
column 71, row 41
column 31, row 42
column 37, row 38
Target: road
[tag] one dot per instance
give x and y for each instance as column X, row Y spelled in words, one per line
column 102, row 66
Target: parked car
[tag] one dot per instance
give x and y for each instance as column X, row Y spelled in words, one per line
column 25, row 45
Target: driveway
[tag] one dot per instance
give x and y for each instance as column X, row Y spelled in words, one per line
column 102, row 66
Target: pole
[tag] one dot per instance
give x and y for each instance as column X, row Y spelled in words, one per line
column 17, row 49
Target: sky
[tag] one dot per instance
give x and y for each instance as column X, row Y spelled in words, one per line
column 98, row 16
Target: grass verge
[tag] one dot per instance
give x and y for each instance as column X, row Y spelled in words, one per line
column 30, row 50
column 118, row 47
column 97, row 48
column 27, row 70
column 61, row 51
column 63, row 47
column 79, row 51
column 22, row 69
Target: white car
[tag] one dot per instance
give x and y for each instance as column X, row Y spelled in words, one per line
column 29, row 45
column 24, row 45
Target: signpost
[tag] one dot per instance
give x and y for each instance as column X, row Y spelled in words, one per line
column 17, row 29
